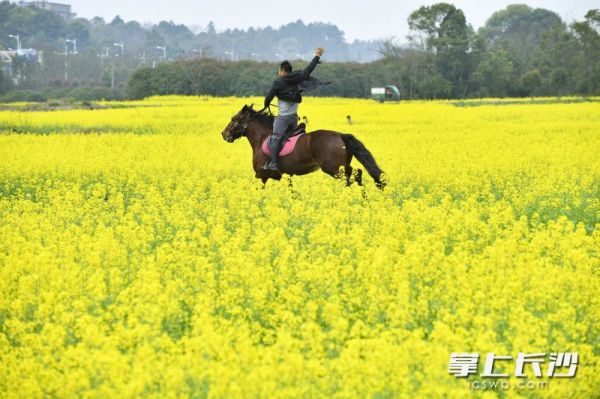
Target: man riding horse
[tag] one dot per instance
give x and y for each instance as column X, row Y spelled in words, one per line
column 288, row 88
column 327, row 150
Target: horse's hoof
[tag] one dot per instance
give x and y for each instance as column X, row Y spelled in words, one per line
column 275, row 174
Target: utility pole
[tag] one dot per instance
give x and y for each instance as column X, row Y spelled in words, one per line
column 122, row 46
column 66, row 63
column 106, row 53
column 103, row 55
column 143, row 57
column 67, row 41
column 112, row 74
column 66, row 53
column 19, row 67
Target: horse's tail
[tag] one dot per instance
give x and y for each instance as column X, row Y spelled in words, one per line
column 355, row 147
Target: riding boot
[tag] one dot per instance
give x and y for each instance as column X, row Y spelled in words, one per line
column 275, row 147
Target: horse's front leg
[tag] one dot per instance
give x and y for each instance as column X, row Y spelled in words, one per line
column 260, row 174
column 265, row 175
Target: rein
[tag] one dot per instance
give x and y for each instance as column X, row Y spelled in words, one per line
column 255, row 116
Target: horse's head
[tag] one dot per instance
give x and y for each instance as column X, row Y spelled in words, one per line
column 238, row 125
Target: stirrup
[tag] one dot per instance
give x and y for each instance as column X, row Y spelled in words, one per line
column 270, row 166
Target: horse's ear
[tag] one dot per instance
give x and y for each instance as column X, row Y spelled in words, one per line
column 252, row 106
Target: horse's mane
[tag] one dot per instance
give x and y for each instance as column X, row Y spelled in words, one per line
column 264, row 116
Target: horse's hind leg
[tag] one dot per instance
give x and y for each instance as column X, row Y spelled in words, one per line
column 358, row 176
column 333, row 162
column 348, row 168
column 348, row 173
column 353, row 175
column 333, row 170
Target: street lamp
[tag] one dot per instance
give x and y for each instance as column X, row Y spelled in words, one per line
column 103, row 54
column 122, row 45
column 230, row 53
column 74, row 42
column 164, row 50
column 18, row 41
column 66, row 53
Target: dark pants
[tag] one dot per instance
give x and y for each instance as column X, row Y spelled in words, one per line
column 283, row 127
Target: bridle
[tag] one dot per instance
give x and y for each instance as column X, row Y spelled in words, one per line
column 249, row 119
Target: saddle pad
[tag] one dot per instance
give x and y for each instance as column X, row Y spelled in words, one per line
column 287, row 148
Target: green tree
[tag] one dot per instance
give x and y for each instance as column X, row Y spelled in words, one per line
column 561, row 52
column 140, row 84
column 435, row 86
column 443, row 30
column 559, row 78
column 494, row 74
column 587, row 33
column 79, row 29
column 531, row 81
column 518, row 29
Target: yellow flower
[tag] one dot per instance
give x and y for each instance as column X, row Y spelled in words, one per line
column 139, row 256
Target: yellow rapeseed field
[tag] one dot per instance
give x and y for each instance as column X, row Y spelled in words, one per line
column 139, row 256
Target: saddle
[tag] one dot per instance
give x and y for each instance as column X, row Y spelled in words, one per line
column 301, row 128
column 288, row 147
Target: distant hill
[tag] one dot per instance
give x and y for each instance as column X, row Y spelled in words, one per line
column 45, row 30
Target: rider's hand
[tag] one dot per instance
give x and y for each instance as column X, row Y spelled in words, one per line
column 319, row 51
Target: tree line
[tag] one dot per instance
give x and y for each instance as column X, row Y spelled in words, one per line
column 520, row 51
column 106, row 53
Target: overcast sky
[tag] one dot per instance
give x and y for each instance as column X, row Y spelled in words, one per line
column 368, row 19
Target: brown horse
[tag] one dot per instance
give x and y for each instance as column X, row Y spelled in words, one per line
column 322, row 149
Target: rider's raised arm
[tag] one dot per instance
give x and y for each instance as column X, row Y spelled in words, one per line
column 311, row 67
column 308, row 70
column 305, row 74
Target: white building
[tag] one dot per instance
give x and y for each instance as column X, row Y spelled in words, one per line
column 64, row 10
